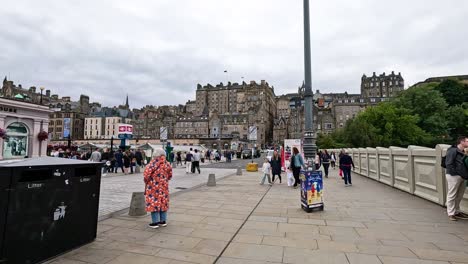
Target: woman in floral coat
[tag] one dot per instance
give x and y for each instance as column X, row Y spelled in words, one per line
column 157, row 174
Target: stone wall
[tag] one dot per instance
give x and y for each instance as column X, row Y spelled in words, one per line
column 414, row 170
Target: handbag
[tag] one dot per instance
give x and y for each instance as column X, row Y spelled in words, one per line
column 340, row 172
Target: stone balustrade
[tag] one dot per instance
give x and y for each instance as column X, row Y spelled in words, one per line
column 414, row 170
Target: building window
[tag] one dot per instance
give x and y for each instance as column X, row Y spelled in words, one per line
column 15, row 145
column 372, row 100
column 328, row 126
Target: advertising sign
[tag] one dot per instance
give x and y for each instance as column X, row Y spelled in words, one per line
column 288, row 148
column 252, row 133
column 311, row 189
column 66, row 127
column 125, row 129
column 163, row 133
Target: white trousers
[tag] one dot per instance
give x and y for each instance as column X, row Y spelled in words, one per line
column 188, row 167
column 455, row 191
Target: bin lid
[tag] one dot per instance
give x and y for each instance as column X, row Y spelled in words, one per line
column 45, row 161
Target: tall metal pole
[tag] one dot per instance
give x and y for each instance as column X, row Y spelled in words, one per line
column 309, row 135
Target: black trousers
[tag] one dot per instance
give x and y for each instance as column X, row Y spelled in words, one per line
column 325, row 168
column 279, row 176
column 296, row 172
column 195, row 166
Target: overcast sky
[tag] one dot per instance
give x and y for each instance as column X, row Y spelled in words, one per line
column 157, row 51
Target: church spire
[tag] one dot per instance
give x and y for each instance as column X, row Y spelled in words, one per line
column 126, row 102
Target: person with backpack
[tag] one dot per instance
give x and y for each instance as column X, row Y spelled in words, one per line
column 326, row 162
column 456, row 173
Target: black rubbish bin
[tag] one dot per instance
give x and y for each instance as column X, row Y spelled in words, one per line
column 52, row 207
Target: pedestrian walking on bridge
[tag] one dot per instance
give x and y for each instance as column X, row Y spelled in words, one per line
column 456, row 173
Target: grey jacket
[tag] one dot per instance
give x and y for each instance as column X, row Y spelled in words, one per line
column 454, row 163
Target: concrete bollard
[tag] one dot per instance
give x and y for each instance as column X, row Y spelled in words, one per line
column 211, row 180
column 239, row 171
column 137, row 204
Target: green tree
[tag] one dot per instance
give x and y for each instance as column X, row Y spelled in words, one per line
column 454, row 92
column 394, row 126
column 428, row 104
column 457, row 120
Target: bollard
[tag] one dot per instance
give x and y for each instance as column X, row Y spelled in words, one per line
column 137, row 204
column 252, row 167
column 211, row 180
column 239, row 171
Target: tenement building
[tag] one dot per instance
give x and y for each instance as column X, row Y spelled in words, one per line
column 381, row 86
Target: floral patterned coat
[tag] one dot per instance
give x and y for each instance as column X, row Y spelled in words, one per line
column 157, row 174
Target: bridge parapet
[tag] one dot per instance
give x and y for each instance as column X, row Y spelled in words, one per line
column 414, row 170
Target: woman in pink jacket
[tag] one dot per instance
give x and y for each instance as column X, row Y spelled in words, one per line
column 157, row 174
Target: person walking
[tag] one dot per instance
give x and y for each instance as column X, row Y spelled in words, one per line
column 317, row 160
column 126, row 161
column 104, row 158
column 179, row 158
column 196, row 161
column 275, row 166
column 156, row 177
column 139, row 157
column 325, row 162
column 456, row 173
column 96, row 155
column 119, row 162
column 297, row 162
column 266, row 169
column 188, row 161
column 345, row 164
column 333, row 159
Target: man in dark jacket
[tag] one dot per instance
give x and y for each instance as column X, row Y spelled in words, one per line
column 456, row 173
column 345, row 164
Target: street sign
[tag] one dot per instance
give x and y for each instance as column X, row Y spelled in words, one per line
column 125, row 136
column 163, row 133
column 252, row 133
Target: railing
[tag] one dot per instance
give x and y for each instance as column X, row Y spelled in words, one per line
column 415, row 170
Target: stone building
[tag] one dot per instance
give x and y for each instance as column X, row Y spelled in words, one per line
column 68, row 119
column 229, row 105
column 191, row 127
column 381, row 86
column 31, row 95
column 22, row 121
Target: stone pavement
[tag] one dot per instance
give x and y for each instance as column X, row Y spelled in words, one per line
column 117, row 189
column 240, row 221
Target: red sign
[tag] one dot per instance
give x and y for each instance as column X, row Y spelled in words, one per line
column 125, row 129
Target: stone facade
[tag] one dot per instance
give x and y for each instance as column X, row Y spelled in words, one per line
column 191, row 127
column 232, row 108
column 31, row 95
column 382, row 85
column 22, row 122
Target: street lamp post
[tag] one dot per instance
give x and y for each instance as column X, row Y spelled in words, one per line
column 309, row 136
column 42, row 89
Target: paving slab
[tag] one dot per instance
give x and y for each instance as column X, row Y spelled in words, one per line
column 239, row 221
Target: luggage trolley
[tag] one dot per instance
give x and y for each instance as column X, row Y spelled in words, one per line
column 311, row 190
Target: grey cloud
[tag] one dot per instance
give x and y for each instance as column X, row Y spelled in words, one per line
column 157, row 51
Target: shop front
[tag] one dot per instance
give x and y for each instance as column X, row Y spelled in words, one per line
column 21, row 124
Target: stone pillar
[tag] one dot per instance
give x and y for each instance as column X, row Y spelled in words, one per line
column 34, row 141
column 441, row 150
column 410, row 169
column 2, row 125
